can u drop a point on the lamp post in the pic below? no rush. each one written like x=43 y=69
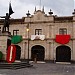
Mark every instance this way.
x=28 y=42
x=28 y=35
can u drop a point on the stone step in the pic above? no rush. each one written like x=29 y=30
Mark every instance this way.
x=63 y=62
x=14 y=65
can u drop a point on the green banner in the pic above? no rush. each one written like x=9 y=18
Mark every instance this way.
x=16 y=39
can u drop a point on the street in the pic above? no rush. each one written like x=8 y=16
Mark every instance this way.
x=42 y=69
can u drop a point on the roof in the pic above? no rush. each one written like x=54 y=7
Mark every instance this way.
x=66 y=18
x=13 y=21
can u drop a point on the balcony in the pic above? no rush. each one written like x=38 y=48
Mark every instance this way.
x=37 y=37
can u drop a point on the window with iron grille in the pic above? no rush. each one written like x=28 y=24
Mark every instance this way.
x=63 y=31
x=38 y=31
x=15 y=32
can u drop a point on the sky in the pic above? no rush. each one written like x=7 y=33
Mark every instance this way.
x=21 y=7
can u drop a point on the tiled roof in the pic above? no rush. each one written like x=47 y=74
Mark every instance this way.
x=63 y=18
x=13 y=21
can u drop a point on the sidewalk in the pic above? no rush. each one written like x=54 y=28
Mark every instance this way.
x=42 y=69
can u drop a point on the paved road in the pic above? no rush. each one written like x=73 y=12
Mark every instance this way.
x=42 y=69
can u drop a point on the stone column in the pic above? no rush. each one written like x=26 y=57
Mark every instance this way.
x=3 y=44
x=54 y=52
x=24 y=50
x=52 y=31
x=49 y=50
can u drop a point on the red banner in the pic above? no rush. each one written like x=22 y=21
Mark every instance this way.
x=62 y=39
x=11 y=54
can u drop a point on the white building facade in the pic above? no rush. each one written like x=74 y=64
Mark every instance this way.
x=50 y=37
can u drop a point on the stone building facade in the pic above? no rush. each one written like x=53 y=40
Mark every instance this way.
x=45 y=34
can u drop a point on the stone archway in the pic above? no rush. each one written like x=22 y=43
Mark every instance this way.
x=63 y=54
x=38 y=52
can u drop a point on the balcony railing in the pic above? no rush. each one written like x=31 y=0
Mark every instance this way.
x=37 y=37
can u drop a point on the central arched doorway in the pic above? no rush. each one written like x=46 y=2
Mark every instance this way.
x=63 y=54
x=37 y=52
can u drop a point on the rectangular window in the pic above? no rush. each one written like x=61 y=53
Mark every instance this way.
x=38 y=31
x=15 y=32
x=63 y=31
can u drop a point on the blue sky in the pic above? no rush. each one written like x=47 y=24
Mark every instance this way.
x=20 y=7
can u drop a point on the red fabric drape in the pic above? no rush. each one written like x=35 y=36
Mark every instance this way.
x=62 y=39
x=13 y=54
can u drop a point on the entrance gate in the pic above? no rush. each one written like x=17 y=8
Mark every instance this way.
x=63 y=54
x=38 y=53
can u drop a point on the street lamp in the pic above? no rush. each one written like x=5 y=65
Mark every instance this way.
x=28 y=35
x=28 y=42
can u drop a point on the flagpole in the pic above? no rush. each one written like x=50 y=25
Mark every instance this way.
x=40 y=4
x=10 y=1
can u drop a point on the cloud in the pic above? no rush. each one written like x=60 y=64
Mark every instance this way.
x=20 y=7
x=62 y=7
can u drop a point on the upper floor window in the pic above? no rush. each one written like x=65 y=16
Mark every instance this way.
x=63 y=31
x=15 y=32
x=38 y=31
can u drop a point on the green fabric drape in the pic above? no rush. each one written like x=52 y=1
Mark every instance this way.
x=16 y=39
